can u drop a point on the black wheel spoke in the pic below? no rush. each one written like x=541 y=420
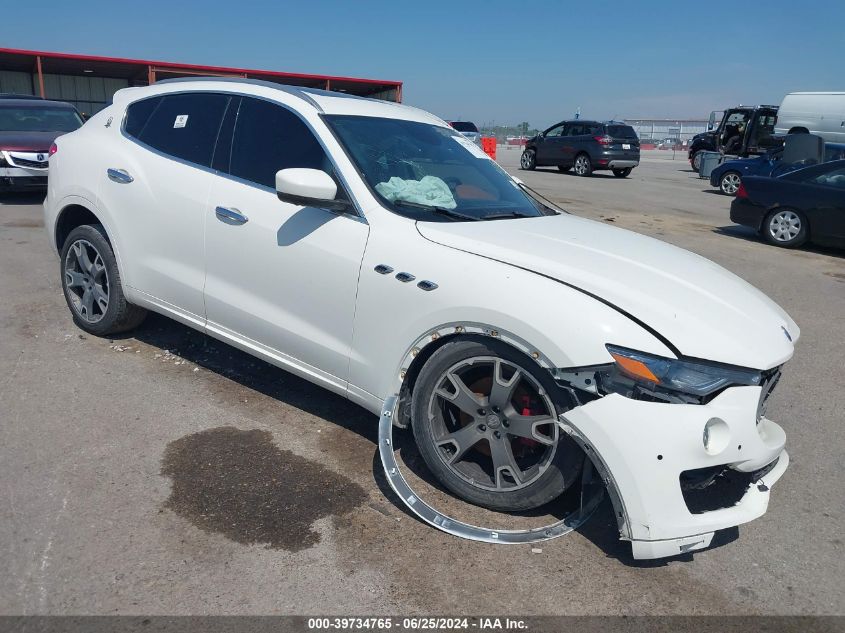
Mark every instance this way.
x=526 y=426
x=503 y=460
x=463 y=398
x=502 y=390
x=463 y=439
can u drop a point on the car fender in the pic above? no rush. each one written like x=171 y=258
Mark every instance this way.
x=53 y=211
x=553 y=323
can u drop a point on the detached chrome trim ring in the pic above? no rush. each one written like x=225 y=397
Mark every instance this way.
x=466 y=530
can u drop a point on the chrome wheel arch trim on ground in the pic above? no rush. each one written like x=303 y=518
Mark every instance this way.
x=592 y=492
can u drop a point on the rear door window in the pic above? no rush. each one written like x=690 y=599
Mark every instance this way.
x=185 y=126
x=268 y=138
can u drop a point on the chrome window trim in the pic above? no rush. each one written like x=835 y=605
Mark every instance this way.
x=359 y=213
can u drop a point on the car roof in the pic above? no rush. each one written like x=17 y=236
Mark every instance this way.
x=319 y=101
x=37 y=102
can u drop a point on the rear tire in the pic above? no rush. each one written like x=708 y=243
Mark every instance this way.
x=622 y=173
x=92 y=286
x=528 y=160
x=583 y=165
x=729 y=183
x=787 y=228
x=484 y=419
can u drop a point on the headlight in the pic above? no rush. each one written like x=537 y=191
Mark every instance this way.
x=636 y=374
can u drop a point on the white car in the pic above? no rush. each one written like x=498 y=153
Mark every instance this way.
x=371 y=249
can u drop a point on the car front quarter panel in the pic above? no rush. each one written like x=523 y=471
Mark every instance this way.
x=558 y=326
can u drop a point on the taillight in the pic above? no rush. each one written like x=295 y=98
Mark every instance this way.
x=603 y=140
x=741 y=192
x=53 y=149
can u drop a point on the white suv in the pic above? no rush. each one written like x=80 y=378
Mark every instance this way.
x=375 y=251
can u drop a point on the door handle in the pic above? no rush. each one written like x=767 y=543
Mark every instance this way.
x=230 y=215
x=119 y=175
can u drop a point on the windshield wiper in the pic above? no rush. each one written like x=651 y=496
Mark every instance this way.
x=435 y=209
x=544 y=202
x=509 y=214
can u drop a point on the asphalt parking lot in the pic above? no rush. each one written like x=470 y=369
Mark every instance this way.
x=166 y=473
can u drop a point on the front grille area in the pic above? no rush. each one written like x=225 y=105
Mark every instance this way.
x=34 y=164
x=30 y=160
x=708 y=489
x=724 y=489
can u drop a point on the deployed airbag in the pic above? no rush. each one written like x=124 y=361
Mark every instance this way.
x=431 y=191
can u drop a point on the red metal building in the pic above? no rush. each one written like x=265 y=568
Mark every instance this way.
x=89 y=81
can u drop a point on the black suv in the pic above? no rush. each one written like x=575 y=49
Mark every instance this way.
x=585 y=145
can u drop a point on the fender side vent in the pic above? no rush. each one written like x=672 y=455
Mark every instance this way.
x=405 y=277
x=427 y=285
x=383 y=269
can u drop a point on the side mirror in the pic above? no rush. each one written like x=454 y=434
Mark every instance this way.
x=309 y=188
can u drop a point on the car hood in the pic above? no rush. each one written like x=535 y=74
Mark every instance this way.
x=28 y=141
x=703 y=310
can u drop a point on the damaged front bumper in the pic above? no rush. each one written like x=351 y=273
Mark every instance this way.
x=664 y=464
x=675 y=473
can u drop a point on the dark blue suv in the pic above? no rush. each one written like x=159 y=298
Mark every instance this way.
x=586 y=146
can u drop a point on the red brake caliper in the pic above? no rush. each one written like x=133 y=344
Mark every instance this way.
x=526 y=410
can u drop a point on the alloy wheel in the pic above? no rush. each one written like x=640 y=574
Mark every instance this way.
x=730 y=183
x=581 y=165
x=493 y=424
x=526 y=161
x=784 y=226
x=87 y=281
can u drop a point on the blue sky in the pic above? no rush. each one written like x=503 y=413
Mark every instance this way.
x=491 y=62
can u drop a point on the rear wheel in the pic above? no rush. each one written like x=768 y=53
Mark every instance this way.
x=785 y=227
x=528 y=160
x=729 y=183
x=92 y=286
x=485 y=422
x=583 y=165
x=622 y=173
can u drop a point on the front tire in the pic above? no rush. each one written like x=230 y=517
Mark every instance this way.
x=786 y=228
x=696 y=161
x=528 y=160
x=92 y=286
x=622 y=173
x=729 y=183
x=583 y=165
x=485 y=421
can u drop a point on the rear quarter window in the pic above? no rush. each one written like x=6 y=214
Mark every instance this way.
x=185 y=126
x=137 y=115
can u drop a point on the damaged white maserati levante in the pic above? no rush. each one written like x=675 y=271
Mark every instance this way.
x=371 y=249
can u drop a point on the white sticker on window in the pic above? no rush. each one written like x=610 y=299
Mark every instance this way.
x=181 y=121
x=474 y=149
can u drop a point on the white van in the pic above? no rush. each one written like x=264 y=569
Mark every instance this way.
x=821 y=113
